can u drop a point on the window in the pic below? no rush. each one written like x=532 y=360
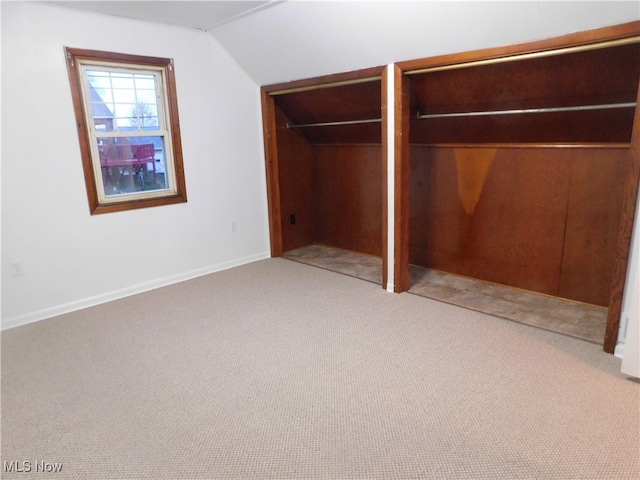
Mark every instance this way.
x=127 y=117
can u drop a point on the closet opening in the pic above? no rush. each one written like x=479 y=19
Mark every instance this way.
x=522 y=177
x=326 y=180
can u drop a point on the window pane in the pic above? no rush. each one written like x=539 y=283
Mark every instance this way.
x=123 y=101
x=104 y=95
x=99 y=79
x=143 y=115
x=122 y=120
x=132 y=164
x=121 y=95
x=122 y=81
x=146 y=96
x=102 y=114
x=145 y=82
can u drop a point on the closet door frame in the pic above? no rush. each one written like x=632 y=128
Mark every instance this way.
x=629 y=203
x=272 y=172
x=268 y=94
x=547 y=46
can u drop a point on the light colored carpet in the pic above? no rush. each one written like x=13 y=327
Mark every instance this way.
x=279 y=370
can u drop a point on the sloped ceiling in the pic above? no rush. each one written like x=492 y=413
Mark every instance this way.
x=201 y=15
x=279 y=41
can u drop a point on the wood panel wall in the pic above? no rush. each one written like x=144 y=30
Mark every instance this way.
x=334 y=192
x=591 y=77
x=348 y=197
x=541 y=219
x=295 y=167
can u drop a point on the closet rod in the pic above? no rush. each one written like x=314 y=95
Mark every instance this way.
x=330 y=124
x=528 y=110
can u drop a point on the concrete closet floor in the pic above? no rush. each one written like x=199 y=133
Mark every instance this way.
x=568 y=317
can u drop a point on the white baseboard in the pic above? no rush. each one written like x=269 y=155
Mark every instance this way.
x=126 y=292
x=619 y=350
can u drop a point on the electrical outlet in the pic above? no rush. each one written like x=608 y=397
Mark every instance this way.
x=234 y=226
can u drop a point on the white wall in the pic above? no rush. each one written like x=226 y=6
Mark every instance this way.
x=301 y=39
x=71 y=259
x=629 y=337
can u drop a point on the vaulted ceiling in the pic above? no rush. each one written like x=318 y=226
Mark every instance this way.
x=278 y=41
x=201 y=15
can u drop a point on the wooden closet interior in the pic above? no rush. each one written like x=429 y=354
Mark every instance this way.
x=323 y=139
x=514 y=165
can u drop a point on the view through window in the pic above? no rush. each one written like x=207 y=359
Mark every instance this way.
x=128 y=135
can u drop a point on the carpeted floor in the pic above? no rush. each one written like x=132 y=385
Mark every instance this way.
x=279 y=370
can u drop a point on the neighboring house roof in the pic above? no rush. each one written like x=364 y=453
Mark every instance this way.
x=100 y=109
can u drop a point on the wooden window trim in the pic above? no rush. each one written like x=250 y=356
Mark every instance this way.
x=75 y=79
